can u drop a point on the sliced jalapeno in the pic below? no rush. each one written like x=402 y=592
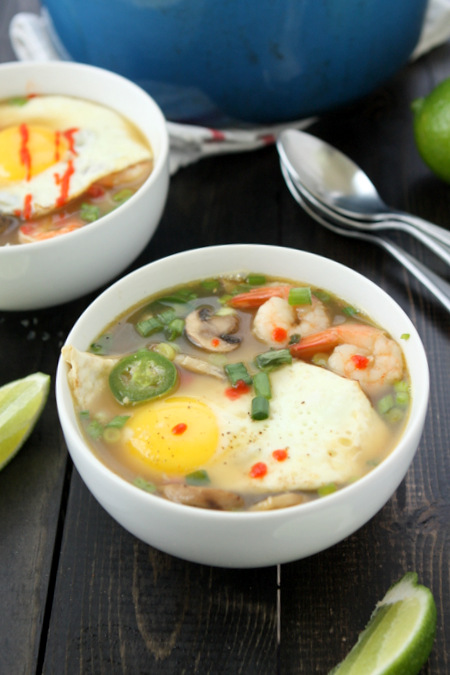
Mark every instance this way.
x=142 y=376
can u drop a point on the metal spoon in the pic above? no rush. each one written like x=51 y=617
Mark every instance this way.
x=437 y=286
x=334 y=179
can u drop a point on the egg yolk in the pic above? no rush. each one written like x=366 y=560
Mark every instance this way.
x=176 y=436
x=27 y=150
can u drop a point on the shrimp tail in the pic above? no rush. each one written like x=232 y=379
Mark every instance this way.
x=258 y=296
x=324 y=341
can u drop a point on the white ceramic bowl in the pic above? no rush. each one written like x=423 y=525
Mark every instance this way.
x=246 y=539
x=51 y=272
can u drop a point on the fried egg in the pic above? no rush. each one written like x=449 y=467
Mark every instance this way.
x=322 y=429
x=52 y=148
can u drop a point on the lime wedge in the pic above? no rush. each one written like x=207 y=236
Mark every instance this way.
x=21 y=403
x=399 y=636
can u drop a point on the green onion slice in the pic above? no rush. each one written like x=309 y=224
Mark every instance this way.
x=174 y=329
x=261 y=384
x=236 y=372
x=256 y=279
x=149 y=326
x=89 y=212
x=326 y=490
x=182 y=296
x=95 y=429
x=300 y=296
x=199 y=477
x=118 y=421
x=101 y=345
x=385 y=404
x=260 y=408
x=18 y=100
x=122 y=196
x=144 y=484
x=212 y=285
x=274 y=358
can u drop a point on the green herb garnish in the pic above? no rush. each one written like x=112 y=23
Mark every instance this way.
x=89 y=212
x=101 y=345
x=144 y=484
x=261 y=384
x=123 y=195
x=237 y=372
x=199 y=477
x=326 y=490
x=118 y=421
x=18 y=100
x=274 y=358
x=256 y=279
x=260 y=408
x=300 y=296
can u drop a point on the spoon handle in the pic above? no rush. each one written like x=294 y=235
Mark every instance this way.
x=436 y=231
x=440 y=248
x=435 y=284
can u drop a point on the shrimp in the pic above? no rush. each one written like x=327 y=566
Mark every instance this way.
x=359 y=352
x=258 y=296
x=276 y=321
x=45 y=228
x=132 y=174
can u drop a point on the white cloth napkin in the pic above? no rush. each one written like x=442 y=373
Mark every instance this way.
x=33 y=39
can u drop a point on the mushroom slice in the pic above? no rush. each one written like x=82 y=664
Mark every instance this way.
x=203 y=497
x=279 y=502
x=195 y=365
x=213 y=332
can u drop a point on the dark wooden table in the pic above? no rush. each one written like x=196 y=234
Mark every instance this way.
x=81 y=595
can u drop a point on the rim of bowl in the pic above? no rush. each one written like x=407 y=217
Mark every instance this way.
x=160 y=160
x=415 y=422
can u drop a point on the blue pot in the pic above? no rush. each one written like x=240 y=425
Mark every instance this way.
x=253 y=60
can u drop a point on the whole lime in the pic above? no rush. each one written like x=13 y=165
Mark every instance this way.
x=432 y=129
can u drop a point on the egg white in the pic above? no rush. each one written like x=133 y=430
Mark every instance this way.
x=104 y=143
x=325 y=422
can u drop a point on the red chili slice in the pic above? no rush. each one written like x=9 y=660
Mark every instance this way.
x=280 y=455
x=95 y=191
x=238 y=390
x=279 y=334
x=69 y=136
x=27 y=206
x=258 y=470
x=361 y=362
x=179 y=429
x=64 y=182
x=25 y=156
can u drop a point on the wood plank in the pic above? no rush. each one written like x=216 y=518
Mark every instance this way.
x=31 y=490
x=123 y=607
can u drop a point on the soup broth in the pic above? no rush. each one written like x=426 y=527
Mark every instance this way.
x=241 y=393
